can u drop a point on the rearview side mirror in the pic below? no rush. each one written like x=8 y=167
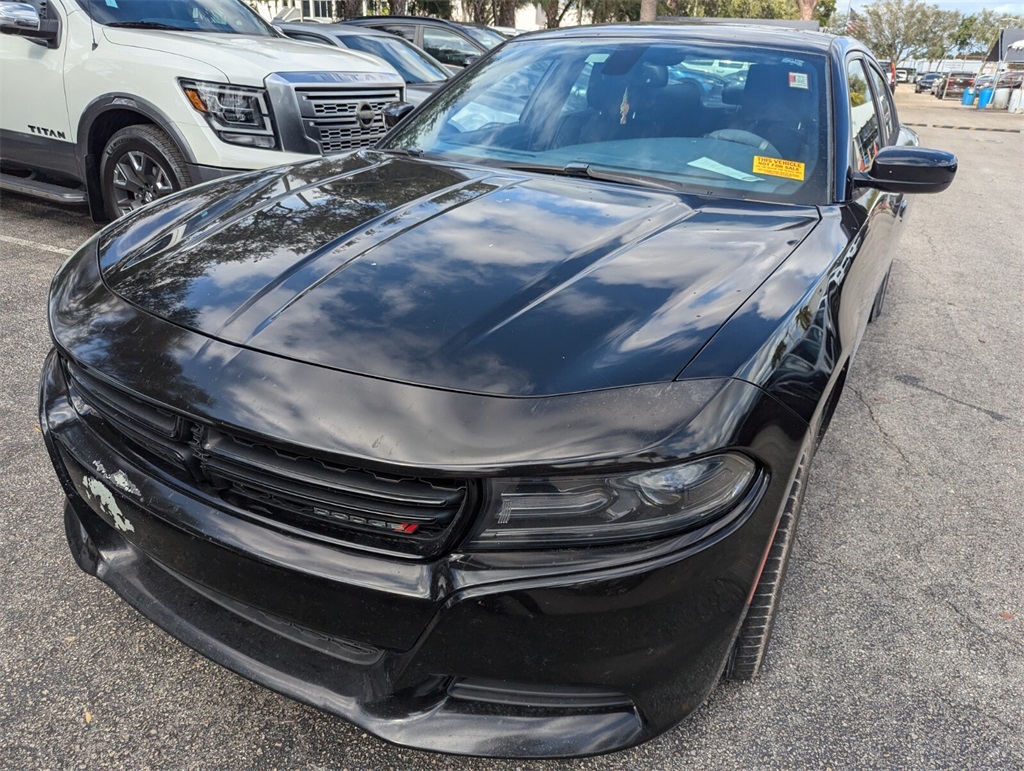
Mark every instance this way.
x=22 y=19
x=909 y=170
x=394 y=112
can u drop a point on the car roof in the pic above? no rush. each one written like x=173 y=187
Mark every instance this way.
x=748 y=34
x=413 y=19
x=333 y=29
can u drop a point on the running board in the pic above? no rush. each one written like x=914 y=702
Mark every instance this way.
x=45 y=190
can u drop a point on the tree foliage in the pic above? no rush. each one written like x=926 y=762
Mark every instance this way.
x=979 y=32
x=895 y=29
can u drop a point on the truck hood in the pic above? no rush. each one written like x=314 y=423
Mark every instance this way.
x=451 y=276
x=248 y=59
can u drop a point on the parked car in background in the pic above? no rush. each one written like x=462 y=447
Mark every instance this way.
x=422 y=73
x=953 y=85
x=1009 y=79
x=452 y=44
x=906 y=74
x=119 y=103
x=926 y=81
x=492 y=439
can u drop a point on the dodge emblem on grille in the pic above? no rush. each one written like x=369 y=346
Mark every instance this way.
x=365 y=115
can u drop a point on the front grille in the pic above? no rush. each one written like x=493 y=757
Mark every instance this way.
x=338 y=119
x=313 y=496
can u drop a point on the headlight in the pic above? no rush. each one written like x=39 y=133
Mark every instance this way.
x=579 y=511
x=239 y=115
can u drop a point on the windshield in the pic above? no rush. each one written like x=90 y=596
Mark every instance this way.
x=754 y=129
x=485 y=37
x=227 y=16
x=413 y=65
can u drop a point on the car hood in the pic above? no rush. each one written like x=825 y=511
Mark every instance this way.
x=450 y=276
x=248 y=59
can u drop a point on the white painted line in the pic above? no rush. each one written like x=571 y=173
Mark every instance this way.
x=35 y=245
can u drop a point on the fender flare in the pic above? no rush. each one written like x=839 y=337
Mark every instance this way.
x=88 y=164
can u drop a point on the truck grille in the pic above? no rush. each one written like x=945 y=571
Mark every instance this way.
x=312 y=496
x=341 y=119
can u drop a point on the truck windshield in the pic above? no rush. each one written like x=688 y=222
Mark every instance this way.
x=226 y=16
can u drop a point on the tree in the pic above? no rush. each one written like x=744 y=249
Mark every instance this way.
x=940 y=38
x=648 y=10
x=894 y=29
x=980 y=31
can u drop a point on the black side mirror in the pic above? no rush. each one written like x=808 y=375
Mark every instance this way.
x=394 y=112
x=22 y=19
x=909 y=170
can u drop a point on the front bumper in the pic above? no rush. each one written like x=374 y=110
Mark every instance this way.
x=456 y=655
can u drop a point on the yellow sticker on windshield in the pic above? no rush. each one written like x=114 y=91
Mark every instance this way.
x=777 y=167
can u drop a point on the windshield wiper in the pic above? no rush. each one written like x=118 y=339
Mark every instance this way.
x=586 y=171
x=147 y=25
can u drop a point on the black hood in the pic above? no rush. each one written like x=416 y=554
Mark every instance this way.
x=457 y=277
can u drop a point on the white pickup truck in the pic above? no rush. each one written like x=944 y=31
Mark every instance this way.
x=118 y=102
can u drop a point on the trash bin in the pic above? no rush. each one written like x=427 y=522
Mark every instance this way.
x=1001 y=98
x=984 y=97
x=968 y=97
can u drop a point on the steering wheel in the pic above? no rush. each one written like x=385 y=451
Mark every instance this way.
x=749 y=138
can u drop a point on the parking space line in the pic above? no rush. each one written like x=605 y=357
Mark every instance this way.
x=34 y=245
x=965 y=128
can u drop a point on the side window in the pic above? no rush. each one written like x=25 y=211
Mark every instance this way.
x=402 y=30
x=448 y=48
x=577 y=100
x=494 y=109
x=864 y=126
x=884 y=98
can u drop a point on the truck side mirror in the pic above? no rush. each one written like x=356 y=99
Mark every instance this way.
x=22 y=19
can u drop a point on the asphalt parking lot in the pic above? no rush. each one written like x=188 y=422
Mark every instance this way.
x=901 y=636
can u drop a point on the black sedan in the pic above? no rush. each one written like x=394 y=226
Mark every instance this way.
x=493 y=439
x=926 y=81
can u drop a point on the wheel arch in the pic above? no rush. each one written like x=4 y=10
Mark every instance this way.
x=100 y=120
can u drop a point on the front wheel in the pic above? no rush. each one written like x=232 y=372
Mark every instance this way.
x=752 y=642
x=140 y=164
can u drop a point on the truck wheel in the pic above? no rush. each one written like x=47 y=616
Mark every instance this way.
x=140 y=164
x=752 y=642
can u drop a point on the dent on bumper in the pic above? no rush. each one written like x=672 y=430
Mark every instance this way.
x=534 y=665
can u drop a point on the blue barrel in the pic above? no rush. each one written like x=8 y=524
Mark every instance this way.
x=968 y=98
x=984 y=97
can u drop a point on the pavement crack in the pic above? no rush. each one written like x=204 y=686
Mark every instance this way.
x=910 y=380
x=968 y=623
x=882 y=432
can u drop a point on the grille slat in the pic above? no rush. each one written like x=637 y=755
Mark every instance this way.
x=315 y=496
x=330 y=115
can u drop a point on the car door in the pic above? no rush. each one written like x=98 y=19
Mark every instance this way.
x=36 y=129
x=871 y=212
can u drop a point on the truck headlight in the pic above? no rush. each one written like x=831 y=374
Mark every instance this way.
x=239 y=115
x=558 y=512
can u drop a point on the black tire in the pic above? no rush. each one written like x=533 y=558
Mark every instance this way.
x=140 y=164
x=751 y=644
x=876 y=307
